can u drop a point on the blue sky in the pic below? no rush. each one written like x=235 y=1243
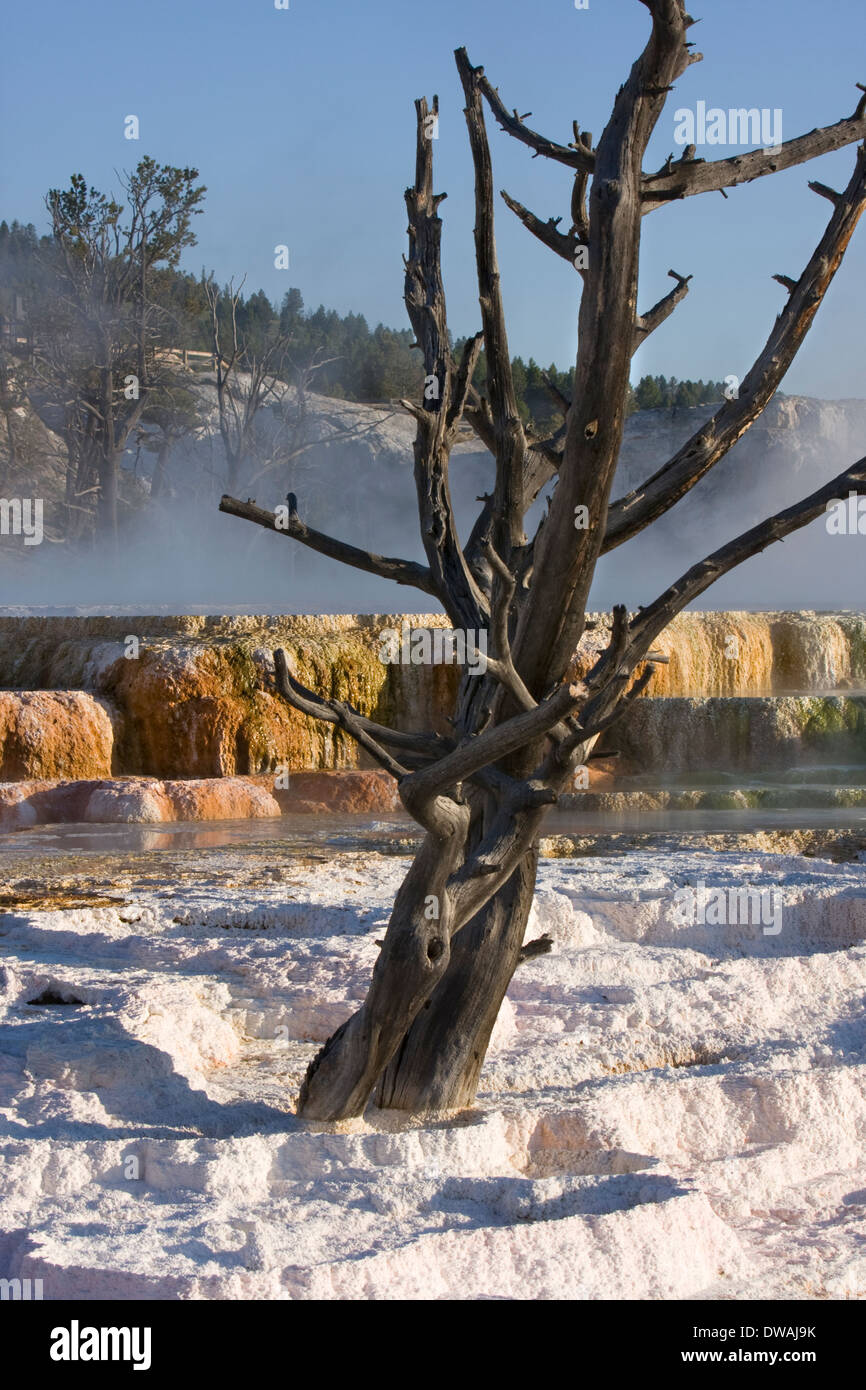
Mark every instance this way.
x=301 y=123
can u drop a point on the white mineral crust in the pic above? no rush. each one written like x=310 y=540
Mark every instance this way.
x=667 y=1111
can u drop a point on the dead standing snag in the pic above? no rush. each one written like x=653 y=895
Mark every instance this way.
x=521 y=728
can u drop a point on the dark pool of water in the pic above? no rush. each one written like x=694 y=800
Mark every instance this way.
x=388 y=835
x=399 y=834
x=706 y=822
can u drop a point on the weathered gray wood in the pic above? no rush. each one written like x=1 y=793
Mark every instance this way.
x=510 y=440
x=441 y=1056
x=551 y=622
x=413 y=958
x=445 y=390
x=688 y=177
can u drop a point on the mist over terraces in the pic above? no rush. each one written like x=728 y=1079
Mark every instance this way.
x=352 y=476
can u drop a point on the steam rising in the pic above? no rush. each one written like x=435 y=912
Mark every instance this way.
x=179 y=554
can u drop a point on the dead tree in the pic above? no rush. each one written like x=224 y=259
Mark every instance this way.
x=240 y=401
x=519 y=730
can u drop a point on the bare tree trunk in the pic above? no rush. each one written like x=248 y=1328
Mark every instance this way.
x=233 y=468
x=7 y=400
x=12 y=463
x=414 y=957
x=106 y=506
x=440 y=1060
x=158 y=480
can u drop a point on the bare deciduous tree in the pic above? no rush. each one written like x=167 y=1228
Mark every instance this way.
x=520 y=730
x=97 y=323
x=272 y=378
x=239 y=402
x=12 y=396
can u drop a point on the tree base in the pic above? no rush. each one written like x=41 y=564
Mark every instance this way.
x=439 y=1061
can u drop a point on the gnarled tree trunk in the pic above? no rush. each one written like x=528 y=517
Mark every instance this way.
x=439 y=1060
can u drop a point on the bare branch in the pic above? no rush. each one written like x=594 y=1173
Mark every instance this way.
x=463 y=380
x=632 y=512
x=401 y=571
x=611 y=657
x=427 y=745
x=647 y=323
x=576 y=157
x=510 y=439
x=565 y=244
x=579 y=213
x=490 y=746
x=594 y=722
x=499 y=662
x=825 y=192
x=332 y=712
x=445 y=391
x=652 y=620
x=561 y=400
x=551 y=620
x=688 y=177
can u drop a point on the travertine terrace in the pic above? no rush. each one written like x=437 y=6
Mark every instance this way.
x=667 y=1111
